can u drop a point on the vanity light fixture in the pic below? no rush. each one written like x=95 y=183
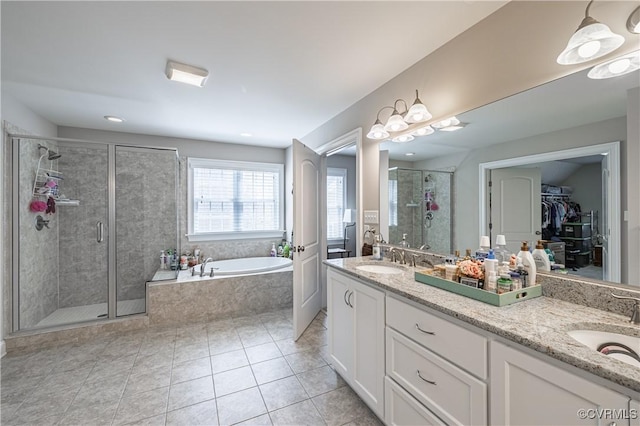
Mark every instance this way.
x=399 y=121
x=113 y=119
x=187 y=74
x=407 y=137
x=591 y=40
x=616 y=67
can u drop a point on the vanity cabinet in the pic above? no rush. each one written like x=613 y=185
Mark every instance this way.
x=528 y=390
x=436 y=362
x=356 y=336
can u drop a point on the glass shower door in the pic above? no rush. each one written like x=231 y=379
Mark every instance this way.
x=146 y=220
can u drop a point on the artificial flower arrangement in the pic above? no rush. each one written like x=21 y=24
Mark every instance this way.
x=471 y=272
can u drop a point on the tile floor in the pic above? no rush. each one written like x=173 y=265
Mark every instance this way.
x=238 y=371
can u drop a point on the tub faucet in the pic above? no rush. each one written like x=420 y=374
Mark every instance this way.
x=204 y=264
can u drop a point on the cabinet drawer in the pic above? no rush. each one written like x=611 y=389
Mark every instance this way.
x=403 y=409
x=454 y=395
x=458 y=345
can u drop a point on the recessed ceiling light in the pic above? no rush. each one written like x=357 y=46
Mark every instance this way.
x=187 y=74
x=409 y=154
x=246 y=135
x=113 y=119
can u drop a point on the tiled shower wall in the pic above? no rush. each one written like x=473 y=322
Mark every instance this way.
x=83 y=260
x=145 y=215
x=38 y=268
x=412 y=210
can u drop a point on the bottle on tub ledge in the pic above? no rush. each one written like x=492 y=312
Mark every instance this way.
x=273 y=252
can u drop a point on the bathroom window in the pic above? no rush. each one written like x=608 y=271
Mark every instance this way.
x=233 y=199
x=336 y=202
x=393 y=203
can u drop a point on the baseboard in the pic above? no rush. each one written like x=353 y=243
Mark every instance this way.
x=3 y=348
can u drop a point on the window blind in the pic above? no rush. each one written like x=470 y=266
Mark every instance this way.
x=235 y=200
x=336 y=198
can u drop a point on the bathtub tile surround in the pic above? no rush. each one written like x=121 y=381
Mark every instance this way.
x=205 y=299
x=110 y=380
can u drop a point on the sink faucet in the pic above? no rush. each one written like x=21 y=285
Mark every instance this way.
x=204 y=264
x=398 y=255
x=635 y=311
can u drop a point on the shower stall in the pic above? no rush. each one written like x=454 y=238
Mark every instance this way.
x=420 y=206
x=90 y=220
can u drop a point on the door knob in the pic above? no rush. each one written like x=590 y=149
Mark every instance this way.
x=300 y=248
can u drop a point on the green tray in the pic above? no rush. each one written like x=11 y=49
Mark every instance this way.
x=478 y=294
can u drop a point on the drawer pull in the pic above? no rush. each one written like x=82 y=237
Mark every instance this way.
x=428 y=381
x=349 y=299
x=424 y=331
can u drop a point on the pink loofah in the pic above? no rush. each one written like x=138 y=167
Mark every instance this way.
x=37 y=206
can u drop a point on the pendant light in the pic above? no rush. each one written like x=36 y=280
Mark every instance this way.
x=616 y=67
x=633 y=23
x=591 y=40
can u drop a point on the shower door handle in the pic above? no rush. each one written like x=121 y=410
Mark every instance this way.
x=99 y=232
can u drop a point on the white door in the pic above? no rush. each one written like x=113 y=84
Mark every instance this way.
x=515 y=210
x=307 y=288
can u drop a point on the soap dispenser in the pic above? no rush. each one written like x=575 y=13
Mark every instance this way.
x=404 y=243
x=377 y=249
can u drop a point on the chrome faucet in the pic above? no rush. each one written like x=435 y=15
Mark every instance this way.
x=635 y=311
x=204 y=264
x=398 y=255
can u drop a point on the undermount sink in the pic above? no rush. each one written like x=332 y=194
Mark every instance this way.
x=619 y=346
x=380 y=269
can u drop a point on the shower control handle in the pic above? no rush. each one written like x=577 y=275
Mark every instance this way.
x=99 y=232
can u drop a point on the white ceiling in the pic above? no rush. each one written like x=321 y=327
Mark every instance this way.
x=278 y=70
x=568 y=102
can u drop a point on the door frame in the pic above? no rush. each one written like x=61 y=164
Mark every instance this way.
x=610 y=149
x=354 y=137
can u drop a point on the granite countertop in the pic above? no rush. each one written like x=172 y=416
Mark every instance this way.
x=540 y=324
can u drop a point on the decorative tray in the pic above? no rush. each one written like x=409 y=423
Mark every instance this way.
x=491 y=298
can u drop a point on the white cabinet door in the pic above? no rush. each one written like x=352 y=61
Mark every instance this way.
x=402 y=409
x=368 y=373
x=526 y=390
x=356 y=336
x=340 y=323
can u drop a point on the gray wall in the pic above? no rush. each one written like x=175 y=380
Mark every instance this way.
x=587 y=188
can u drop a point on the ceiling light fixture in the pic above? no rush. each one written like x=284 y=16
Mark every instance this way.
x=113 y=119
x=187 y=74
x=633 y=23
x=399 y=121
x=616 y=67
x=591 y=40
x=409 y=154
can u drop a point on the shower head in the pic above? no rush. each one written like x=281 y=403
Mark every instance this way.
x=52 y=155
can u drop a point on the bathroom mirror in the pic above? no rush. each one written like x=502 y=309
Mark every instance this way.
x=548 y=118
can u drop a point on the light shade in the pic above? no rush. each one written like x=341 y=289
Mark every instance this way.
x=403 y=138
x=377 y=131
x=187 y=74
x=418 y=112
x=395 y=123
x=616 y=67
x=423 y=131
x=451 y=121
x=592 y=40
x=349 y=216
